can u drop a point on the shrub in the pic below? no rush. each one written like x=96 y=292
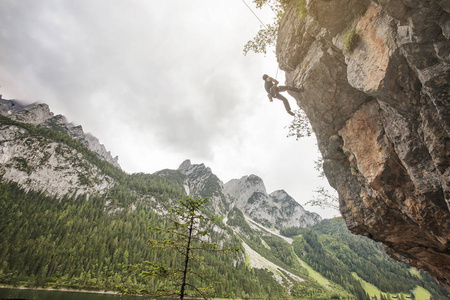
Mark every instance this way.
x=350 y=40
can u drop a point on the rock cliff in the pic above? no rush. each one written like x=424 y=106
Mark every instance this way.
x=375 y=85
x=37 y=162
x=276 y=210
x=201 y=182
x=39 y=114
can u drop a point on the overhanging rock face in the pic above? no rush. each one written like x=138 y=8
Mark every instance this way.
x=375 y=78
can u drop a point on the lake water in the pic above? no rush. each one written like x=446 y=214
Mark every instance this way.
x=7 y=293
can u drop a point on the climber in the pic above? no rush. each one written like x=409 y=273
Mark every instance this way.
x=273 y=90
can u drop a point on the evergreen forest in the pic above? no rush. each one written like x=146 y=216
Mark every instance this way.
x=82 y=243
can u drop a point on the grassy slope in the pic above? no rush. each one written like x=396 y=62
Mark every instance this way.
x=315 y=275
x=419 y=292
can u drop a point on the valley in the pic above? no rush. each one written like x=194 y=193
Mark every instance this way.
x=71 y=219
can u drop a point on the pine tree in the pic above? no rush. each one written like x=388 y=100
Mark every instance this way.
x=187 y=235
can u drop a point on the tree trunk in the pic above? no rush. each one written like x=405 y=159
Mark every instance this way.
x=186 y=258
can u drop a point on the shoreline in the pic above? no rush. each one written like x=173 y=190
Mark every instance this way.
x=58 y=290
x=79 y=291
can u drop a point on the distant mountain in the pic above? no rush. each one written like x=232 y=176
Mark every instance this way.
x=201 y=182
x=70 y=217
x=42 y=152
x=39 y=114
x=278 y=209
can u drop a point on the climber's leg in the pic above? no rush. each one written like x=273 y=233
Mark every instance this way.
x=286 y=104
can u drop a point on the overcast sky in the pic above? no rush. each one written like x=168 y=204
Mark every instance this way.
x=159 y=82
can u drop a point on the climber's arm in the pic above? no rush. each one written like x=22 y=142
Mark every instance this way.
x=275 y=82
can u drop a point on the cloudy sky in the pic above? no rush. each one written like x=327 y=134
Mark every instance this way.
x=159 y=82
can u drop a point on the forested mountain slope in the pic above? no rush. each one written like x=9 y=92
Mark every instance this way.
x=332 y=250
x=68 y=218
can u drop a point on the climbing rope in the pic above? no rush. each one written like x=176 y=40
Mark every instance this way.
x=262 y=25
x=255 y=15
x=307 y=62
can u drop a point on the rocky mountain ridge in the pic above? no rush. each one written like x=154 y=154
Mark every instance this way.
x=38 y=162
x=277 y=210
x=58 y=169
x=39 y=114
x=375 y=85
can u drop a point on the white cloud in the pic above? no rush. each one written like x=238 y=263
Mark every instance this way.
x=158 y=82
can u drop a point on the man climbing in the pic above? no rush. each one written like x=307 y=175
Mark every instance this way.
x=273 y=90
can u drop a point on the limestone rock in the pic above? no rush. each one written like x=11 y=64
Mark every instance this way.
x=277 y=210
x=37 y=163
x=376 y=89
x=39 y=114
x=201 y=182
x=33 y=114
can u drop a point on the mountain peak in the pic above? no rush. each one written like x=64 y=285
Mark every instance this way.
x=185 y=165
x=277 y=210
x=201 y=182
x=34 y=113
x=281 y=195
x=248 y=194
x=242 y=189
x=187 y=168
x=39 y=114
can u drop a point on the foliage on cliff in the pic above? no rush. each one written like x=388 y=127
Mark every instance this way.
x=267 y=35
